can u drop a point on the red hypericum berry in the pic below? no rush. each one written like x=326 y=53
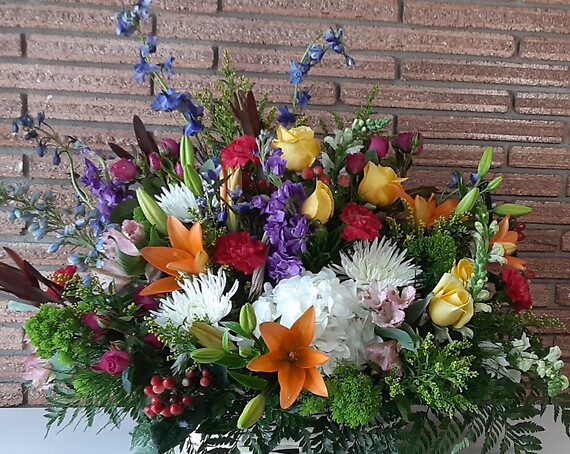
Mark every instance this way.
x=148 y=390
x=190 y=374
x=156 y=400
x=205 y=382
x=177 y=409
x=157 y=408
x=158 y=389
x=187 y=400
x=325 y=179
x=530 y=274
x=307 y=173
x=169 y=383
x=520 y=226
x=185 y=382
x=344 y=181
x=156 y=380
x=318 y=169
x=206 y=373
x=520 y=236
x=166 y=412
x=148 y=411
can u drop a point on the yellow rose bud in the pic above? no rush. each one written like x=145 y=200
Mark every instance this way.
x=377 y=186
x=320 y=204
x=463 y=270
x=451 y=304
x=299 y=147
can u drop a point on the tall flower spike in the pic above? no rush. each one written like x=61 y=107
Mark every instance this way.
x=292 y=358
x=186 y=255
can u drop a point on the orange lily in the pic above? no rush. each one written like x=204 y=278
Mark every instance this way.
x=186 y=255
x=292 y=358
x=508 y=239
x=427 y=211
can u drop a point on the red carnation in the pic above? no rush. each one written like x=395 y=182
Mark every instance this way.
x=517 y=289
x=360 y=223
x=240 y=152
x=240 y=251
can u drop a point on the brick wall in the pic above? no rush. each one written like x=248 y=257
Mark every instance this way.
x=468 y=73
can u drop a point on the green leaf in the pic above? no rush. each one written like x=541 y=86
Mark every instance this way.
x=155 y=239
x=123 y=210
x=248 y=381
x=232 y=362
x=415 y=311
x=236 y=328
x=130 y=264
x=405 y=336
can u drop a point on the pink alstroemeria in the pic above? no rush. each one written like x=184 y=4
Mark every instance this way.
x=387 y=304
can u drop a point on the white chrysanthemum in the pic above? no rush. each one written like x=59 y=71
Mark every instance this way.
x=200 y=298
x=178 y=201
x=343 y=324
x=379 y=261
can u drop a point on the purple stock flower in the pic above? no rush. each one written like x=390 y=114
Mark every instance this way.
x=274 y=163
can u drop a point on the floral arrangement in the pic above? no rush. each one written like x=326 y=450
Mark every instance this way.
x=250 y=282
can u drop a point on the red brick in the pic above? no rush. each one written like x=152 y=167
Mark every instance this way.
x=9 y=227
x=543 y=103
x=37 y=255
x=10 y=45
x=10 y=394
x=548 y=267
x=272 y=32
x=10 y=315
x=12 y=366
x=113 y=50
x=10 y=105
x=545 y=48
x=37 y=397
x=487 y=72
x=44 y=168
x=562 y=315
x=547 y=212
x=513 y=184
x=11 y=338
x=542 y=294
x=563 y=294
x=564 y=343
x=11 y=165
x=380 y=10
x=540 y=157
x=432 y=98
x=55 y=17
x=478 y=128
x=64 y=197
x=538 y=240
x=486 y=16
x=98 y=108
x=81 y=79
x=566 y=241
x=457 y=156
x=548 y=2
x=277 y=61
x=194 y=6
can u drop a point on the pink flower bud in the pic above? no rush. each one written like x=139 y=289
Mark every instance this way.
x=171 y=146
x=95 y=321
x=133 y=230
x=380 y=145
x=148 y=303
x=410 y=142
x=113 y=362
x=178 y=170
x=355 y=163
x=152 y=340
x=124 y=169
x=154 y=162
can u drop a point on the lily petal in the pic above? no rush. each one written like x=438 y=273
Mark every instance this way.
x=309 y=358
x=160 y=257
x=291 y=380
x=265 y=363
x=164 y=285
x=303 y=330
x=275 y=335
x=314 y=382
x=178 y=234
x=183 y=266
x=195 y=242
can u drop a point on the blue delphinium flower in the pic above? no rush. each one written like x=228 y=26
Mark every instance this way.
x=167 y=66
x=193 y=127
x=15 y=128
x=316 y=53
x=127 y=21
x=143 y=69
x=56 y=159
x=296 y=73
x=286 y=117
x=334 y=40
x=141 y=8
x=149 y=46
x=41 y=118
x=303 y=98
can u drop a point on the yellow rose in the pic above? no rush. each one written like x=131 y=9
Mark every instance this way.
x=320 y=204
x=377 y=185
x=299 y=147
x=451 y=304
x=463 y=270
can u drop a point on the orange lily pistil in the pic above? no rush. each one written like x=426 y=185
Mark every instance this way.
x=186 y=255
x=427 y=211
x=508 y=239
x=292 y=358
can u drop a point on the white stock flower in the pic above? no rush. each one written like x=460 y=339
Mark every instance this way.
x=343 y=324
x=201 y=298
x=178 y=201
x=379 y=260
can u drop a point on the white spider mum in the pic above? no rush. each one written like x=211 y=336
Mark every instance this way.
x=201 y=298
x=379 y=261
x=178 y=201
x=343 y=325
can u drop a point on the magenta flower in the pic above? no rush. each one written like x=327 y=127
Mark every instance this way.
x=95 y=321
x=410 y=142
x=355 y=163
x=124 y=169
x=113 y=362
x=380 y=145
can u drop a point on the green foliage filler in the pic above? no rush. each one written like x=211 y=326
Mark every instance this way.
x=436 y=375
x=139 y=216
x=353 y=399
x=58 y=330
x=434 y=254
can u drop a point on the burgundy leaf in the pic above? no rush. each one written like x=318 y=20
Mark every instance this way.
x=144 y=138
x=120 y=151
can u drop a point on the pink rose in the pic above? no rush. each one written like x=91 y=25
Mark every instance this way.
x=113 y=362
x=410 y=142
x=124 y=169
x=171 y=146
x=153 y=341
x=95 y=321
x=385 y=354
x=154 y=162
x=148 y=303
x=355 y=163
x=380 y=145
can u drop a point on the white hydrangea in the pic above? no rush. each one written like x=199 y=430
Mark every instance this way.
x=200 y=298
x=343 y=324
